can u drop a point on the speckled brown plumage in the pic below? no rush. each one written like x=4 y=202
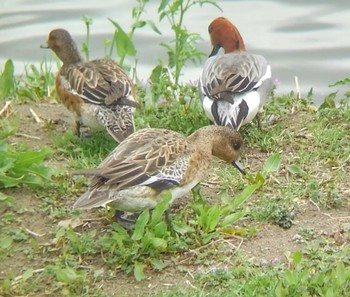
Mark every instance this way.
x=98 y=92
x=150 y=161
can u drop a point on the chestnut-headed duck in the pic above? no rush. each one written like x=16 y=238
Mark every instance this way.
x=235 y=85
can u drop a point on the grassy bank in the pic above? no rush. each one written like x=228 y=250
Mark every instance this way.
x=281 y=230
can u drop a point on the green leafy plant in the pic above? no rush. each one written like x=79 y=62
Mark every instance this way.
x=184 y=44
x=196 y=224
x=122 y=41
x=7 y=81
x=185 y=115
x=86 y=44
x=36 y=84
x=149 y=239
x=23 y=168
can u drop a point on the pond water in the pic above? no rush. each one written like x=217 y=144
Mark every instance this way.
x=307 y=39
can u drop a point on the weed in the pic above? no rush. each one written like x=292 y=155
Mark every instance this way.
x=123 y=40
x=37 y=84
x=23 y=168
x=7 y=81
x=184 y=116
x=86 y=44
x=184 y=48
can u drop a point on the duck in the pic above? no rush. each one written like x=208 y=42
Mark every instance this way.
x=234 y=85
x=98 y=92
x=151 y=161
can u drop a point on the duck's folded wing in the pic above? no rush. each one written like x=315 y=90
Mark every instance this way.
x=235 y=72
x=153 y=160
x=97 y=82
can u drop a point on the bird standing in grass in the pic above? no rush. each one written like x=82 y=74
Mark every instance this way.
x=235 y=85
x=151 y=161
x=98 y=92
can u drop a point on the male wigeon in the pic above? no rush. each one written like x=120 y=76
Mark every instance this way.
x=235 y=85
x=98 y=92
x=151 y=161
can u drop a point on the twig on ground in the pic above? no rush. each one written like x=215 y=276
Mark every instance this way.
x=5 y=108
x=30 y=232
x=27 y=136
x=19 y=278
x=35 y=116
x=315 y=204
x=336 y=218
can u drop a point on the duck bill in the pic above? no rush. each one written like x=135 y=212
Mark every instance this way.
x=239 y=166
x=214 y=51
x=44 y=46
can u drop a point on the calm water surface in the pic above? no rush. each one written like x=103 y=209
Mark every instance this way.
x=308 y=39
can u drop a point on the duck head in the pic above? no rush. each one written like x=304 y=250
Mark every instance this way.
x=223 y=34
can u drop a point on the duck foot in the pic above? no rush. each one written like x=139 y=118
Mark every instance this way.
x=126 y=219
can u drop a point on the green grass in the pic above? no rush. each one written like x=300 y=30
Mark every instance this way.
x=292 y=171
x=303 y=276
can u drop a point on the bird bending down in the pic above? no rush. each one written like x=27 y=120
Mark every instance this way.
x=151 y=161
x=98 y=92
x=235 y=85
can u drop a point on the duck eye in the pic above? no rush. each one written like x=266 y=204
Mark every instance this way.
x=236 y=146
x=210 y=29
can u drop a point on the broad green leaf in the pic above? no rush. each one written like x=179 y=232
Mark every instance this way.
x=6 y=163
x=9 y=182
x=259 y=178
x=139 y=24
x=160 y=229
x=181 y=227
x=174 y=6
x=120 y=230
x=207 y=237
x=272 y=164
x=295 y=169
x=344 y=81
x=341 y=274
x=31 y=157
x=297 y=256
x=156 y=74
x=38 y=171
x=140 y=225
x=158 y=264
x=7 y=80
x=66 y=275
x=60 y=233
x=238 y=200
x=234 y=217
x=153 y=27
x=7 y=199
x=123 y=42
x=138 y=271
x=5 y=242
x=157 y=243
x=162 y=206
x=329 y=101
x=213 y=218
x=162 y=5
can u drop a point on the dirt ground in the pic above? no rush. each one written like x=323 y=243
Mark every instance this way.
x=271 y=242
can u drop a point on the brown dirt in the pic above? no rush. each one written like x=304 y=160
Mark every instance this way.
x=269 y=244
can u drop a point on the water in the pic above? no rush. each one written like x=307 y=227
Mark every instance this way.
x=307 y=39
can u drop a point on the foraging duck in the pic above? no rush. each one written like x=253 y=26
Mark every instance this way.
x=98 y=92
x=151 y=161
x=235 y=85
